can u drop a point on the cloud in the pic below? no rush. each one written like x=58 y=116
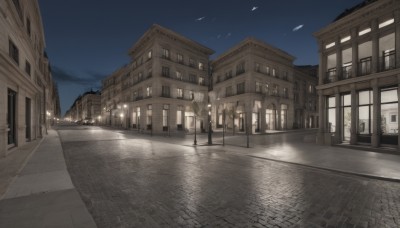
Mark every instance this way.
x=64 y=76
x=228 y=35
x=297 y=28
x=254 y=8
x=200 y=18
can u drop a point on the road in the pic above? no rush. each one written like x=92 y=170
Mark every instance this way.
x=132 y=180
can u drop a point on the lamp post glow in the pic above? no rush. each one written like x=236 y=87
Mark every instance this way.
x=209 y=125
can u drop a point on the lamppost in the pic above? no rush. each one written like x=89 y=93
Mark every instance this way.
x=223 y=127
x=195 y=133
x=127 y=117
x=209 y=125
x=122 y=117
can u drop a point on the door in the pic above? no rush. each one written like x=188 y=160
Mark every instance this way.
x=11 y=114
x=28 y=119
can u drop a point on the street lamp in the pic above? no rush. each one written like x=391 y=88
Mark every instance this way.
x=209 y=125
x=126 y=113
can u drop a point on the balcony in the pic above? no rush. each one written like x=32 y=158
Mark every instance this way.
x=240 y=71
x=388 y=61
x=365 y=66
x=330 y=75
x=346 y=72
x=166 y=95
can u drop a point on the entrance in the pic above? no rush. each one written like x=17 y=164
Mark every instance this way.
x=28 y=119
x=11 y=114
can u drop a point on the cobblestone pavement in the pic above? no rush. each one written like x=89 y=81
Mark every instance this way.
x=130 y=181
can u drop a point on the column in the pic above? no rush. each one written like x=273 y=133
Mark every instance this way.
x=322 y=66
x=354 y=51
x=262 y=119
x=278 y=108
x=354 y=114
x=398 y=112
x=338 y=60
x=339 y=124
x=397 y=36
x=375 y=139
x=322 y=121
x=375 y=46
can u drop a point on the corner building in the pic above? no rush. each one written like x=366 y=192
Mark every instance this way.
x=157 y=90
x=257 y=88
x=29 y=99
x=359 y=76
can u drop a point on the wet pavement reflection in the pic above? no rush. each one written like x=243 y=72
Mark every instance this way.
x=128 y=180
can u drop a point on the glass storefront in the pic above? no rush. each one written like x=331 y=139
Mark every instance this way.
x=389 y=116
x=331 y=114
x=365 y=112
x=346 y=117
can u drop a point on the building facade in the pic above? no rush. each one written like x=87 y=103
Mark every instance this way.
x=163 y=89
x=28 y=96
x=359 y=76
x=257 y=88
x=86 y=108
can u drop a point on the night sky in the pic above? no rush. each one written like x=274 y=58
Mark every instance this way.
x=87 y=40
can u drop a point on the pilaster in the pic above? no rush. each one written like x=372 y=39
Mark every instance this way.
x=354 y=52
x=375 y=46
x=354 y=114
x=338 y=60
x=375 y=139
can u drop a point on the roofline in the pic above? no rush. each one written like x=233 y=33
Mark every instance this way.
x=156 y=27
x=250 y=40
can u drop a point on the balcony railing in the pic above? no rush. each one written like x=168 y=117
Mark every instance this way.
x=365 y=66
x=330 y=75
x=388 y=61
x=346 y=72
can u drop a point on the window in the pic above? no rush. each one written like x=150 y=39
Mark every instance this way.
x=191 y=95
x=258 y=87
x=275 y=90
x=285 y=93
x=330 y=45
x=28 y=26
x=165 y=91
x=346 y=116
x=201 y=66
x=165 y=53
x=192 y=78
x=140 y=76
x=228 y=74
x=179 y=93
x=149 y=91
x=180 y=58
x=191 y=62
x=393 y=118
x=13 y=52
x=274 y=72
x=28 y=68
x=179 y=116
x=257 y=67
x=201 y=81
x=268 y=70
x=365 y=66
x=311 y=89
x=240 y=69
x=285 y=75
x=149 y=117
x=165 y=117
x=386 y=23
x=267 y=88
x=364 y=31
x=331 y=114
x=150 y=73
x=165 y=71
x=179 y=75
x=240 y=88
x=228 y=91
x=149 y=55
x=344 y=39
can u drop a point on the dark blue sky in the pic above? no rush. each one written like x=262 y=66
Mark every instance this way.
x=89 y=39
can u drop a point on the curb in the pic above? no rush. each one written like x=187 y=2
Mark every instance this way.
x=332 y=170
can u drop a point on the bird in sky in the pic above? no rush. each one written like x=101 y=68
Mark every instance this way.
x=200 y=18
x=297 y=28
x=254 y=8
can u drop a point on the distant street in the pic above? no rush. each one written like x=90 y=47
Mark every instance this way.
x=128 y=179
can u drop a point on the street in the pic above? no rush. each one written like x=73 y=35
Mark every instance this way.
x=132 y=180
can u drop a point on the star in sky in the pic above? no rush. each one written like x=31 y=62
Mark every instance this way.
x=200 y=18
x=297 y=28
x=254 y=8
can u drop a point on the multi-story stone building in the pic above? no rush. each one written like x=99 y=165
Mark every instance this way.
x=359 y=76
x=258 y=84
x=164 y=87
x=27 y=98
x=86 y=108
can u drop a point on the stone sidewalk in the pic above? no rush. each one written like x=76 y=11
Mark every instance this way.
x=42 y=194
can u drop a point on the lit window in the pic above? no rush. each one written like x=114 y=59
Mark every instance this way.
x=165 y=53
x=201 y=66
x=344 y=39
x=365 y=31
x=180 y=58
x=201 y=81
x=386 y=23
x=149 y=91
x=330 y=45
x=149 y=54
x=179 y=92
x=179 y=75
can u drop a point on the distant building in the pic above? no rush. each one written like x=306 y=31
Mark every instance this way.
x=170 y=87
x=359 y=76
x=86 y=108
x=156 y=92
x=29 y=99
x=257 y=85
